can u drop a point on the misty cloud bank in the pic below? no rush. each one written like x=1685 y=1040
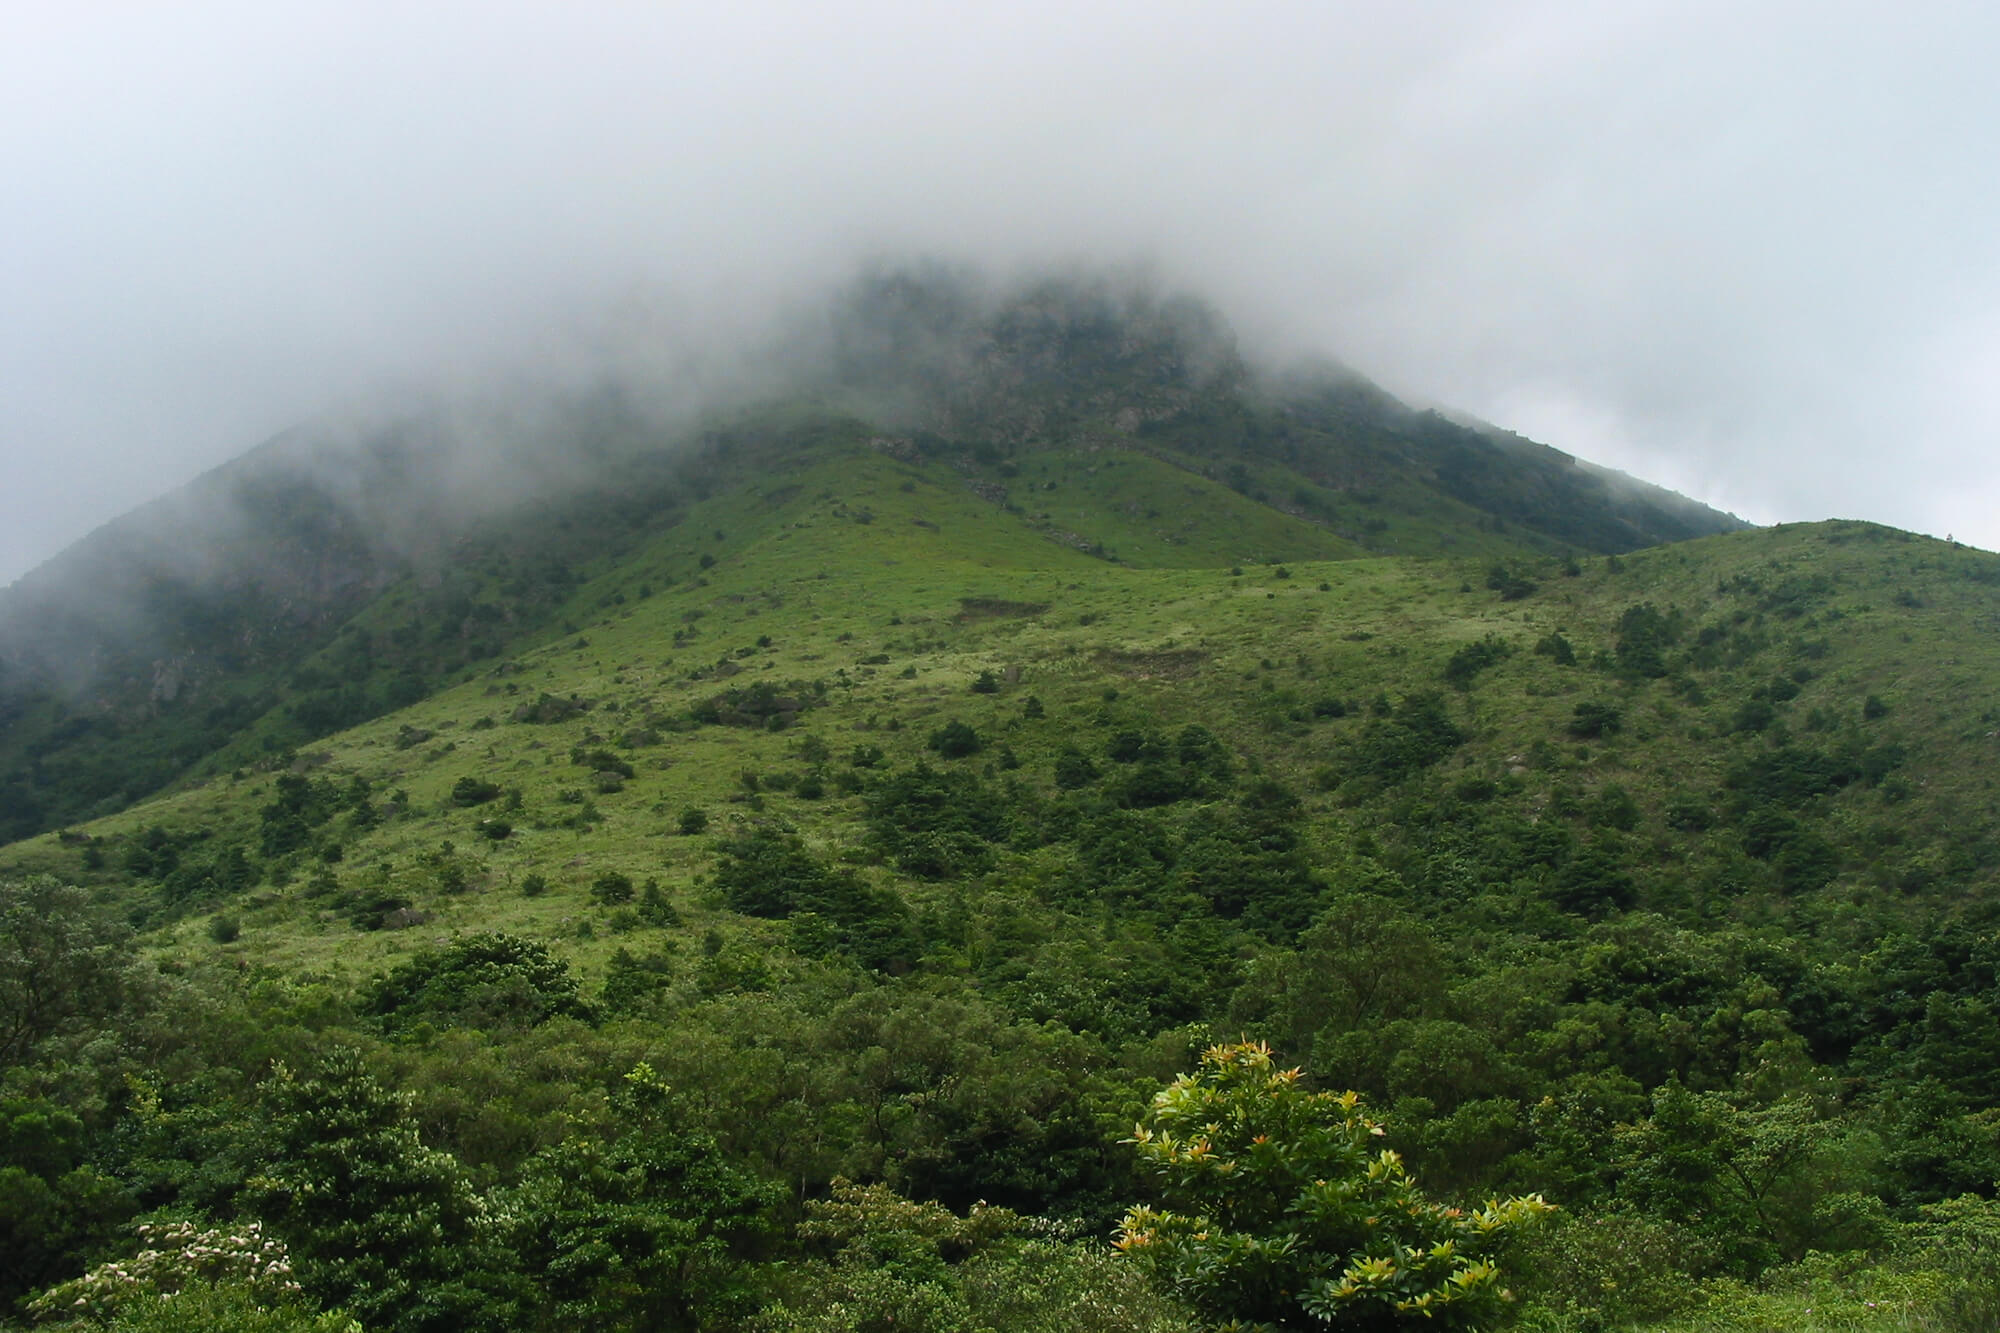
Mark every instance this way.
x=1748 y=254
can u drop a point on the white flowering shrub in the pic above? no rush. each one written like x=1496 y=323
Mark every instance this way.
x=175 y=1255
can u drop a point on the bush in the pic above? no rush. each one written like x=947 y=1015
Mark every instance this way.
x=1282 y=1209
x=176 y=1259
x=470 y=790
x=1557 y=648
x=1466 y=663
x=692 y=820
x=611 y=889
x=955 y=740
x=1592 y=720
x=479 y=980
x=1511 y=586
x=1074 y=769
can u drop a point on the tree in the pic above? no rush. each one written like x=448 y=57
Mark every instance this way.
x=375 y=1221
x=645 y=1232
x=955 y=740
x=481 y=980
x=1749 y=1179
x=61 y=967
x=1284 y=1213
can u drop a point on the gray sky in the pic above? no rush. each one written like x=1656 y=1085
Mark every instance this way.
x=1749 y=251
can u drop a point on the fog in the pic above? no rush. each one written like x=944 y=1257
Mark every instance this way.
x=1749 y=252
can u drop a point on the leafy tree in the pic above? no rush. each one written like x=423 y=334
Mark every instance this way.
x=223 y=1307
x=955 y=740
x=611 y=889
x=375 y=1221
x=919 y=1268
x=646 y=1231
x=1748 y=1179
x=937 y=823
x=63 y=967
x=1074 y=769
x=1467 y=662
x=471 y=790
x=177 y=1257
x=1644 y=636
x=772 y=874
x=480 y=980
x=54 y=1206
x=1362 y=963
x=1557 y=648
x=1592 y=720
x=1406 y=737
x=1283 y=1212
x=1512 y=587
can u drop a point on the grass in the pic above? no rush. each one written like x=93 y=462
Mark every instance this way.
x=879 y=579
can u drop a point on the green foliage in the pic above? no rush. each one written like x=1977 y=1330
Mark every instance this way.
x=767 y=873
x=1465 y=664
x=471 y=790
x=1556 y=648
x=1591 y=720
x=1413 y=734
x=375 y=1222
x=1645 y=634
x=63 y=966
x=612 y=889
x=900 y=1265
x=1511 y=586
x=1749 y=1181
x=1282 y=1207
x=936 y=823
x=644 y=1231
x=1193 y=766
x=173 y=1258
x=961 y=981
x=301 y=805
x=481 y=980
x=1073 y=769
x=54 y=1205
x=955 y=740
x=223 y=1307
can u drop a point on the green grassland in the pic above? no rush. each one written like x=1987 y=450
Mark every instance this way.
x=894 y=585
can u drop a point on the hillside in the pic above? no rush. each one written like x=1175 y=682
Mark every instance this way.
x=909 y=817
x=762 y=883
x=402 y=553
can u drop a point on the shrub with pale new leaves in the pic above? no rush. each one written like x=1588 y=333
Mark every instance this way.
x=1283 y=1210
x=174 y=1256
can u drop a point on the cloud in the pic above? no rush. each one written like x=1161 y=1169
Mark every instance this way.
x=1749 y=251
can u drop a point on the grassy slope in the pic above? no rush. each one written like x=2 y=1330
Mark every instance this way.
x=869 y=558
x=858 y=571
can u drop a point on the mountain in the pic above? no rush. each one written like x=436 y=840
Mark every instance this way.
x=337 y=573
x=759 y=877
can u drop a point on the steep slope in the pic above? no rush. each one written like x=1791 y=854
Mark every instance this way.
x=186 y=629
x=877 y=817
x=867 y=595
